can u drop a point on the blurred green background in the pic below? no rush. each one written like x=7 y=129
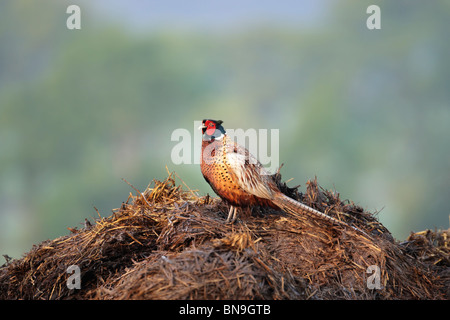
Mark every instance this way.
x=368 y=112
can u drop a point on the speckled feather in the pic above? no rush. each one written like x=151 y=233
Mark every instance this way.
x=235 y=175
x=240 y=179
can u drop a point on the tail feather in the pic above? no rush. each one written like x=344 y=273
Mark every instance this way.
x=296 y=208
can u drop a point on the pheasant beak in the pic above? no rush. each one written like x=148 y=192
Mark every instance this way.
x=202 y=127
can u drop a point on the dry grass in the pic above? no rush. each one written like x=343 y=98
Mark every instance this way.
x=168 y=243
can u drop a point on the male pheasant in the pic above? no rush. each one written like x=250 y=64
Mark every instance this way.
x=240 y=179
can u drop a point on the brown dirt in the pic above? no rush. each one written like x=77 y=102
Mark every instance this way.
x=169 y=243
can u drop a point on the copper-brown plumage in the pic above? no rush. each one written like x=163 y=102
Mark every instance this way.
x=220 y=173
x=240 y=179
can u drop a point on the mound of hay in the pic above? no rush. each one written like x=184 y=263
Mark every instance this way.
x=169 y=243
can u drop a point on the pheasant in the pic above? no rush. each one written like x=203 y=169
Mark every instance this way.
x=240 y=179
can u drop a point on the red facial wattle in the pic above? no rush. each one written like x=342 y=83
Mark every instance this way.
x=210 y=128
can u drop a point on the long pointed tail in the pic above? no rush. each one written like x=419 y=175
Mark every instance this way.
x=296 y=208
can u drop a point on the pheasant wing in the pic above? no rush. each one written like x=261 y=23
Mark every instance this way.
x=251 y=175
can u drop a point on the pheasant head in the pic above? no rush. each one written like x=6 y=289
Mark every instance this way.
x=212 y=130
